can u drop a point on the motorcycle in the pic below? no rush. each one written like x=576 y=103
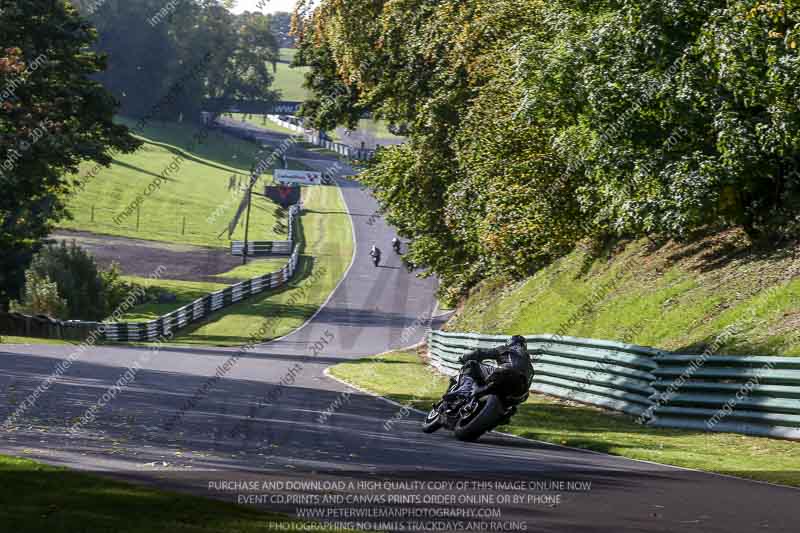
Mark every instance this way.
x=396 y=246
x=470 y=417
x=376 y=258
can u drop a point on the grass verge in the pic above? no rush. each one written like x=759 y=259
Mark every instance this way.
x=672 y=296
x=8 y=339
x=36 y=498
x=403 y=377
x=326 y=242
x=184 y=291
x=325 y=238
x=289 y=81
x=193 y=205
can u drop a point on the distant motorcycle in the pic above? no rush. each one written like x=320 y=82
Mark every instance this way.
x=396 y=245
x=470 y=417
x=375 y=253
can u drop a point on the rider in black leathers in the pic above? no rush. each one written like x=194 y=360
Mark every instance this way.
x=375 y=253
x=512 y=376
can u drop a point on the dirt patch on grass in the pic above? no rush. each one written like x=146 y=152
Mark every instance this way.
x=141 y=258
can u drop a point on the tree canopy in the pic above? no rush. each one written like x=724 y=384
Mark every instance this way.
x=53 y=116
x=198 y=47
x=67 y=67
x=536 y=124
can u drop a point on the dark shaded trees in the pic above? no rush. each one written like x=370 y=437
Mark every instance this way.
x=536 y=124
x=197 y=45
x=52 y=117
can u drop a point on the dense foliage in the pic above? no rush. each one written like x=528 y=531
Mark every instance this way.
x=535 y=124
x=193 y=48
x=53 y=116
x=40 y=297
x=63 y=281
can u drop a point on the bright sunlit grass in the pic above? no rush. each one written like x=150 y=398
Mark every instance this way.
x=193 y=206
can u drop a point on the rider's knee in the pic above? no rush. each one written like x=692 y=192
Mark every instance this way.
x=472 y=368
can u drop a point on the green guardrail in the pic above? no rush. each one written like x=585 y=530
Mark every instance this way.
x=162 y=327
x=754 y=395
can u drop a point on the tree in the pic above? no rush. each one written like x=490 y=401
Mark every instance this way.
x=63 y=281
x=255 y=50
x=142 y=56
x=54 y=117
x=533 y=125
x=422 y=63
x=40 y=297
x=195 y=47
x=677 y=116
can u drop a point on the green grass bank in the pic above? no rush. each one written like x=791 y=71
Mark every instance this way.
x=325 y=237
x=36 y=498
x=193 y=205
x=289 y=80
x=672 y=296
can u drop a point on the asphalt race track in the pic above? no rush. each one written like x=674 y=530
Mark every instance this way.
x=274 y=418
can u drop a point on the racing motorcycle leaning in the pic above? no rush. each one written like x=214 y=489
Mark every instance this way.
x=483 y=396
x=471 y=417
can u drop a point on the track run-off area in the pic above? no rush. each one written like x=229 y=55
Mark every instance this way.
x=274 y=431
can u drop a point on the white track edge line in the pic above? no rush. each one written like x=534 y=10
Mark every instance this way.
x=344 y=276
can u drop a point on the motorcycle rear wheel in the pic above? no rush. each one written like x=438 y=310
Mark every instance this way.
x=485 y=419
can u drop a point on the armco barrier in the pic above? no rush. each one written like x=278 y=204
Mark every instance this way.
x=16 y=324
x=262 y=248
x=23 y=325
x=20 y=325
x=285 y=124
x=608 y=374
x=200 y=308
x=313 y=137
x=752 y=395
x=345 y=150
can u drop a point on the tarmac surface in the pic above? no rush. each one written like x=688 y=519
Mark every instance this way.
x=267 y=427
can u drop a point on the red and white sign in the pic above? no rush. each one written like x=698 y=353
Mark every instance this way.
x=297 y=177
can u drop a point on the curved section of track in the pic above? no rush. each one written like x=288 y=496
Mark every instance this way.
x=193 y=415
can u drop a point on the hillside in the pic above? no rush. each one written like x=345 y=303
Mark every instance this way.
x=192 y=206
x=674 y=296
x=288 y=79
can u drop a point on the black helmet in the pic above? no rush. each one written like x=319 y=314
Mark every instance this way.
x=517 y=339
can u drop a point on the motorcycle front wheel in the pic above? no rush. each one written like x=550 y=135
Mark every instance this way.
x=433 y=421
x=482 y=419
